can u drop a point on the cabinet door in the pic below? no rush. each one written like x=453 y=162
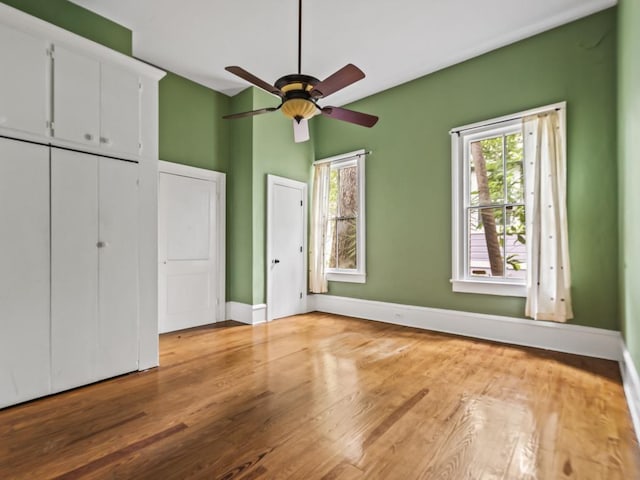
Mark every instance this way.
x=120 y=110
x=24 y=267
x=74 y=268
x=76 y=97
x=23 y=81
x=118 y=271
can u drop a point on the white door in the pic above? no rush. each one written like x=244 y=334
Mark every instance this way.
x=24 y=263
x=23 y=84
x=119 y=110
x=74 y=268
x=94 y=265
x=286 y=247
x=117 y=268
x=76 y=97
x=190 y=264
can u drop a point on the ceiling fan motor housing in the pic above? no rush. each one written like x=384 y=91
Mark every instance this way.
x=297 y=103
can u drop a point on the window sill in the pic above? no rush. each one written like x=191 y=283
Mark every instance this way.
x=490 y=288
x=347 y=277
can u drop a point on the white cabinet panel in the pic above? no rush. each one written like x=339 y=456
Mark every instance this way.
x=24 y=264
x=120 y=110
x=74 y=268
x=23 y=82
x=118 y=268
x=76 y=97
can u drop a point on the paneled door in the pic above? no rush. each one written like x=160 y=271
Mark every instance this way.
x=94 y=264
x=24 y=263
x=286 y=247
x=189 y=270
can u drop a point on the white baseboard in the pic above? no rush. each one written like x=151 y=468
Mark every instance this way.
x=631 y=383
x=561 y=337
x=245 y=313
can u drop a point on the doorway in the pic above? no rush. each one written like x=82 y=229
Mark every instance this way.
x=286 y=247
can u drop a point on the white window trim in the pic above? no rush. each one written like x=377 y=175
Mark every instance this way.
x=460 y=138
x=358 y=275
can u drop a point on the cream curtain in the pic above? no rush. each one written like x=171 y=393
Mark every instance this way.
x=319 y=207
x=549 y=277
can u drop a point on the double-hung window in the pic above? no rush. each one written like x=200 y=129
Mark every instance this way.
x=490 y=251
x=340 y=212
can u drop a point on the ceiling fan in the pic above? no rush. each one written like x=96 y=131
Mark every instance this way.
x=299 y=94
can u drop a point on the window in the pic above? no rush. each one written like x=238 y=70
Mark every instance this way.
x=490 y=248
x=344 y=235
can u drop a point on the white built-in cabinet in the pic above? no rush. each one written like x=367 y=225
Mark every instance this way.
x=24 y=271
x=95 y=103
x=78 y=210
x=24 y=105
x=94 y=258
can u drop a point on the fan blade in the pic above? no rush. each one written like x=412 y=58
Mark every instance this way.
x=300 y=131
x=249 y=77
x=342 y=78
x=350 y=116
x=250 y=114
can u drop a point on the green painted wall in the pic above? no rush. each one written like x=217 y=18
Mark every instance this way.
x=261 y=145
x=78 y=20
x=192 y=131
x=408 y=185
x=274 y=152
x=629 y=168
x=240 y=203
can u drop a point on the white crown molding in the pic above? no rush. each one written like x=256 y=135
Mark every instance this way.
x=560 y=337
x=245 y=313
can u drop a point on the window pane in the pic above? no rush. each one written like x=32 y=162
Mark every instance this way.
x=515 y=168
x=516 y=244
x=348 y=192
x=486 y=172
x=333 y=193
x=485 y=242
x=330 y=244
x=346 y=241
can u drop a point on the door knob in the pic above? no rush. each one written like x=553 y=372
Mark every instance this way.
x=276 y=261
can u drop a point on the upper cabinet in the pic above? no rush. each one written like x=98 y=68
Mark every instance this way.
x=76 y=97
x=59 y=88
x=95 y=103
x=24 y=82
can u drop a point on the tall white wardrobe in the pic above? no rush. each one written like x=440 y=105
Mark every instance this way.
x=78 y=210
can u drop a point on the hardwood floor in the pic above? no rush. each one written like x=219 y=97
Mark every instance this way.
x=326 y=397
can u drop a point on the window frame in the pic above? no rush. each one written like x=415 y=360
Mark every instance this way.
x=356 y=275
x=461 y=137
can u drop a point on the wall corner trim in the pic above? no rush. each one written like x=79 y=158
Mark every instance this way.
x=560 y=337
x=245 y=313
x=631 y=384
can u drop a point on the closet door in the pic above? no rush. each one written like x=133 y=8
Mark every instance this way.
x=23 y=82
x=76 y=97
x=74 y=268
x=24 y=263
x=118 y=268
x=120 y=110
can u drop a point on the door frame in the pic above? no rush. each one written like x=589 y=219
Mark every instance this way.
x=272 y=181
x=211 y=176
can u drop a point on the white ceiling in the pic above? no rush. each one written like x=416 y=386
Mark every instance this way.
x=391 y=41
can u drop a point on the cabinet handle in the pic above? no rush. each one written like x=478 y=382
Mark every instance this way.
x=102 y=244
x=105 y=140
x=88 y=136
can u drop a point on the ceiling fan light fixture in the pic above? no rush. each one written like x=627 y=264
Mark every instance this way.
x=299 y=108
